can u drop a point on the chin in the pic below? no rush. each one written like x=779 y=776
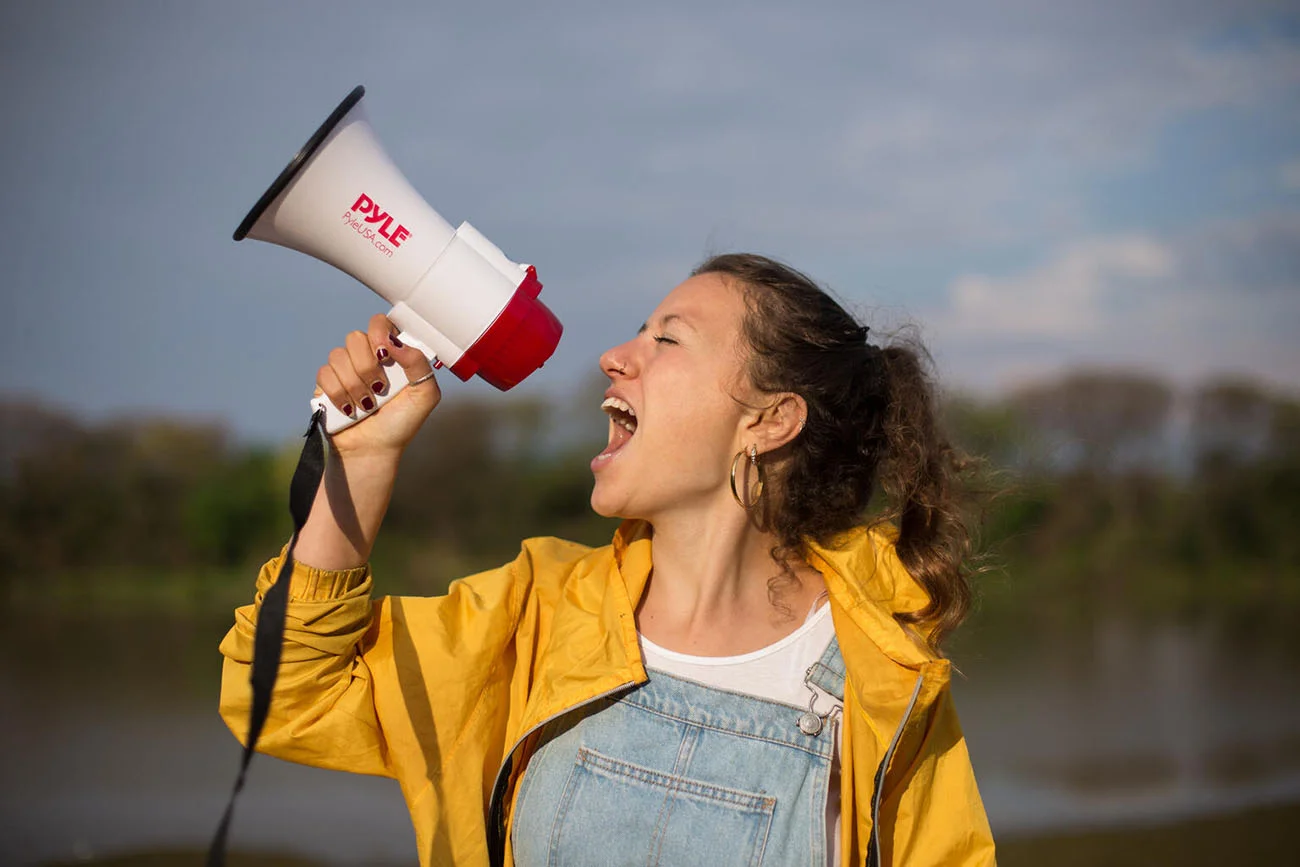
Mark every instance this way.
x=603 y=505
x=608 y=501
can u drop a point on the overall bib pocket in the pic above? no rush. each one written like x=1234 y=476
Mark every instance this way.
x=649 y=817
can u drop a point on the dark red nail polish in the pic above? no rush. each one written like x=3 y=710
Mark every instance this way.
x=347 y=410
x=381 y=353
x=367 y=404
x=392 y=338
x=377 y=387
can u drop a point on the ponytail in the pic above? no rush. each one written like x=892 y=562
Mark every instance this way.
x=919 y=475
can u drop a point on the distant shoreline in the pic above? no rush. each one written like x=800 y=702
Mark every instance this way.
x=1257 y=837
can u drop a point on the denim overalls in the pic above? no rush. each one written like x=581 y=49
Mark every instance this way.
x=677 y=773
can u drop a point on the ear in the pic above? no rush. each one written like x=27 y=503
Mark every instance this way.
x=778 y=422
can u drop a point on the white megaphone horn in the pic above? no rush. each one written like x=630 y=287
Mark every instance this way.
x=455 y=295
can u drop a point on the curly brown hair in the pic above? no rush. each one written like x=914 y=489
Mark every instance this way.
x=871 y=425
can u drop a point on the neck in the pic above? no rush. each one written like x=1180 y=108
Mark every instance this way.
x=709 y=592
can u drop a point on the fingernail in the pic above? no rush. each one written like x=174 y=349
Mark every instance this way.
x=377 y=387
x=392 y=338
x=367 y=404
x=381 y=353
x=347 y=410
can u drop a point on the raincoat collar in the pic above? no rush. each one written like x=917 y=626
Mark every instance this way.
x=867 y=585
x=863 y=574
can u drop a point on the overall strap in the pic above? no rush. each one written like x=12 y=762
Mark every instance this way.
x=827 y=673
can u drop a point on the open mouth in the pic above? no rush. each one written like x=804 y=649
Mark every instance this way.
x=622 y=425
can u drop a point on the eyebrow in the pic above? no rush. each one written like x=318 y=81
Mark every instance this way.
x=670 y=317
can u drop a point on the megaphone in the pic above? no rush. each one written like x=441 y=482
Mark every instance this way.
x=455 y=295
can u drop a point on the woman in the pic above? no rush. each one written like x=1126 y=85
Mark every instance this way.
x=747 y=674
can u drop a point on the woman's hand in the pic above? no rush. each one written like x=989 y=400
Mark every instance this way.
x=355 y=374
x=361 y=468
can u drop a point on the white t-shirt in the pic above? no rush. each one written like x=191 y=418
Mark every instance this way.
x=775 y=672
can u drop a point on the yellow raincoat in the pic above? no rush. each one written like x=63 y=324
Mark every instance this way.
x=442 y=693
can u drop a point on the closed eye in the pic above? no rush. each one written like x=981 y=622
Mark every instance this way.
x=663 y=338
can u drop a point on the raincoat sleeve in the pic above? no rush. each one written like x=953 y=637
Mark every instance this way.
x=362 y=680
x=933 y=815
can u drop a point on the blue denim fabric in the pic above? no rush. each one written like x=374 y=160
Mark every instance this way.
x=678 y=773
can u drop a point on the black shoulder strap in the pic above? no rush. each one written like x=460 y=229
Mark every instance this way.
x=268 y=640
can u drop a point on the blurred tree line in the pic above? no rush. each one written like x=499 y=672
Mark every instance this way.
x=1113 y=492
x=143 y=507
x=1109 y=490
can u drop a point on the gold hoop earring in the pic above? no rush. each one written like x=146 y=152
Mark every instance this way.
x=758 y=478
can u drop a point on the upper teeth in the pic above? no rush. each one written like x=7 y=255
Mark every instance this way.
x=621 y=406
x=618 y=404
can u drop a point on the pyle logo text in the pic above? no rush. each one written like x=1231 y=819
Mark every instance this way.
x=375 y=214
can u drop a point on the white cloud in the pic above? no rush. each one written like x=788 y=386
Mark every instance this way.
x=1183 y=305
x=1065 y=298
x=1290 y=175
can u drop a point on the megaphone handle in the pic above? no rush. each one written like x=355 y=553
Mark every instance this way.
x=336 y=420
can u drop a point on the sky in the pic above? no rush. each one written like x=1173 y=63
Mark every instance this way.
x=1037 y=186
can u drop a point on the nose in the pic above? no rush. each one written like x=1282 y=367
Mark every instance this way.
x=614 y=361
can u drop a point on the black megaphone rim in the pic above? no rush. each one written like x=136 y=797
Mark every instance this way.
x=295 y=165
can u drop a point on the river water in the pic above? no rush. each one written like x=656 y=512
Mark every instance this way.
x=110 y=741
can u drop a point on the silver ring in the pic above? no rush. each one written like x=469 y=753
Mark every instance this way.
x=428 y=376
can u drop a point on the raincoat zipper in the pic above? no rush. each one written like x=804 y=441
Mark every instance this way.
x=496 y=823
x=873 y=859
